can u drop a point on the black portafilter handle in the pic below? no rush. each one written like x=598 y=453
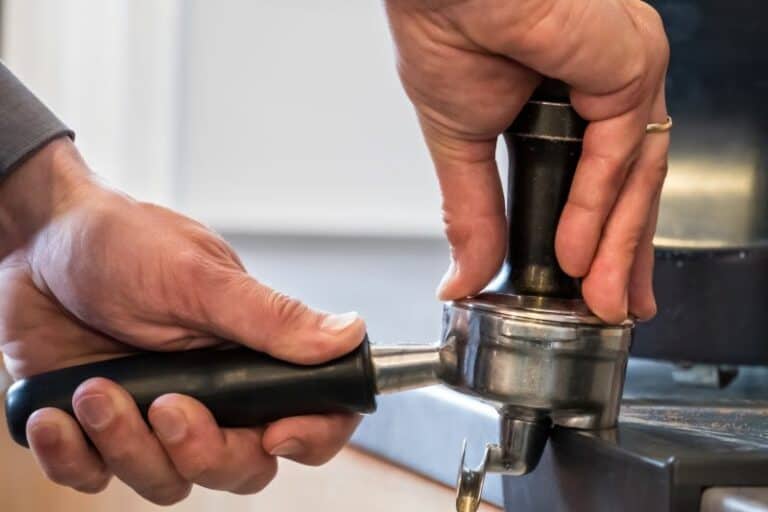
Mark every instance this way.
x=544 y=145
x=241 y=387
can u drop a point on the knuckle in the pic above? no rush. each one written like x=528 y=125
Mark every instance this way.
x=458 y=233
x=631 y=241
x=188 y=262
x=610 y=169
x=604 y=276
x=652 y=173
x=463 y=231
x=653 y=20
x=655 y=32
x=118 y=454
x=285 y=308
x=198 y=469
x=585 y=204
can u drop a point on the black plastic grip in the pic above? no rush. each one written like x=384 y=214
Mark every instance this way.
x=241 y=387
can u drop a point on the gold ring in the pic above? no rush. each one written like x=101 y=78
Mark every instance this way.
x=659 y=127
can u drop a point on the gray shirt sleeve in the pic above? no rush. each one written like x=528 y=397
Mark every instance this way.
x=26 y=124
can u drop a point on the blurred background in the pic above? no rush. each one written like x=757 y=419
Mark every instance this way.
x=282 y=125
x=246 y=115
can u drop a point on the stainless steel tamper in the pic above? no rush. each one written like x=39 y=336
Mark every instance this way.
x=527 y=345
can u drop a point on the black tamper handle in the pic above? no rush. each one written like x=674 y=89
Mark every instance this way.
x=241 y=387
x=544 y=146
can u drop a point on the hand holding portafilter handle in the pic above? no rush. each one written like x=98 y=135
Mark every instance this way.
x=88 y=274
x=241 y=387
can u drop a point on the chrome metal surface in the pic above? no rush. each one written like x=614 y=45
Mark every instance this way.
x=521 y=445
x=518 y=453
x=735 y=499
x=716 y=191
x=469 y=484
x=401 y=367
x=536 y=362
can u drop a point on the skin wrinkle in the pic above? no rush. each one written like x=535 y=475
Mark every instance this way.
x=432 y=112
x=490 y=16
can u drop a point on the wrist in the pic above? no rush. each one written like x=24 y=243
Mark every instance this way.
x=41 y=188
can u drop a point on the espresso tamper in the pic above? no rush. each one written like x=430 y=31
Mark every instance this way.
x=528 y=345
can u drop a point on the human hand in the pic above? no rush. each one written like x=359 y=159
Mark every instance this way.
x=89 y=274
x=468 y=66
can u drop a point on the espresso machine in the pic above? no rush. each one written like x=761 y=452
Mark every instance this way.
x=575 y=435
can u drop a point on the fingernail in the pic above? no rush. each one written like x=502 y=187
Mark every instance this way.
x=45 y=434
x=288 y=448
x=169 y=424
x=447 y=277
x=95 y=411
x=337 y=323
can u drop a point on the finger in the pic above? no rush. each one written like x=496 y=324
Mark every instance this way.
x=232 y=305
x=63 y=453
x=609 y=148
x=312 y=440
x=224 y=459
x=112 y=421
x=642 y=303
x=613 y=138
x=473 y=211
x=606 y=287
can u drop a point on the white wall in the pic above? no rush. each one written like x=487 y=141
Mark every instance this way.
x=280 y=116
x=108 y=68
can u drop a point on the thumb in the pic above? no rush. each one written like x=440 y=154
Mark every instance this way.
x=241 y=309
x=473 y=212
